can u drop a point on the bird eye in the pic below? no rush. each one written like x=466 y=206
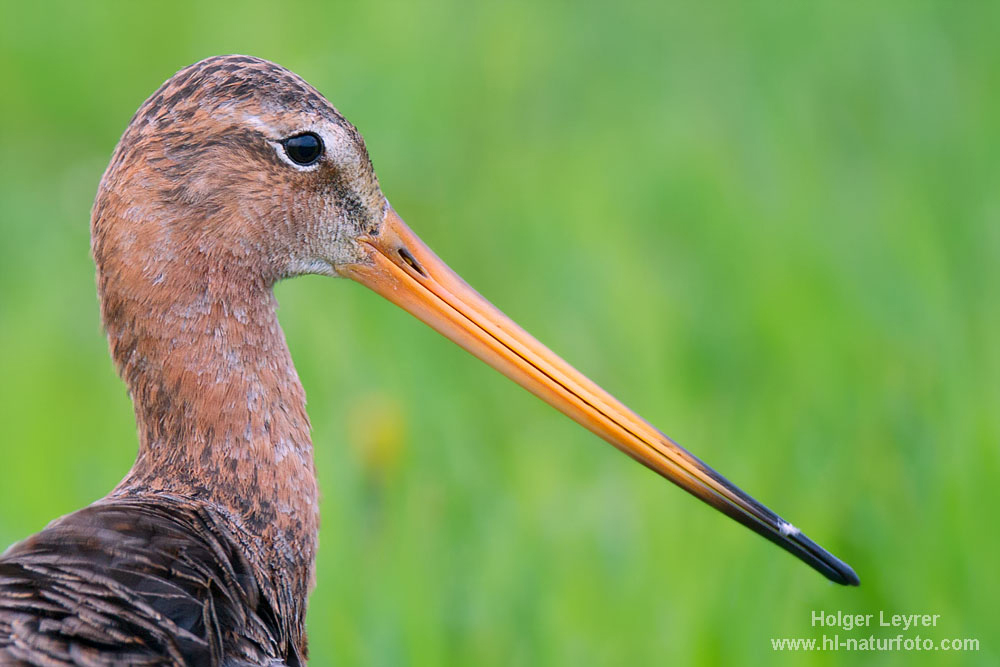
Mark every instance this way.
x=303 y=149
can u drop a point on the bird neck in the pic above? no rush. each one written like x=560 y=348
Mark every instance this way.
x=220 y=410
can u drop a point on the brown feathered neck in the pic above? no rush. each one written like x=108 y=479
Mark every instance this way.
x=219 y=407
x=220 y=411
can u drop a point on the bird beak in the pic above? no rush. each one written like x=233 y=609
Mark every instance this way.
x=405 y=271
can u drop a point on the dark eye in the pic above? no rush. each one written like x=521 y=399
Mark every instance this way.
x=303 y=149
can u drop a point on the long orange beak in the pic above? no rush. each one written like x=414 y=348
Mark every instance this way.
x=404 y=270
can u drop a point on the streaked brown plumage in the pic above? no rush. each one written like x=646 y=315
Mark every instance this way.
x=204 y=553
x=140 y=581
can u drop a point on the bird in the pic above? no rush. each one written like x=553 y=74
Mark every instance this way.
x=233 y=175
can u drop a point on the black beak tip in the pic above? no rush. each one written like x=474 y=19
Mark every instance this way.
x=847 y=575
x=825 y=562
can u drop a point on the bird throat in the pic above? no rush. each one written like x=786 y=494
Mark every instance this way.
x=219 y=407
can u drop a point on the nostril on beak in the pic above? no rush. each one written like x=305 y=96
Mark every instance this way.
x=411 y=261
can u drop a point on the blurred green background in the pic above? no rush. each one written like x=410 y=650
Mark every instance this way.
x=774 y=230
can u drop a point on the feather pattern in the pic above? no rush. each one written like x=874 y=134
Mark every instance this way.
x=138 y=581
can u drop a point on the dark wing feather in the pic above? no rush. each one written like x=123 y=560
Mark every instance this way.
x=135 y=582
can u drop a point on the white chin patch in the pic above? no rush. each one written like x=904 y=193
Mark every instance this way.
x=316 y=267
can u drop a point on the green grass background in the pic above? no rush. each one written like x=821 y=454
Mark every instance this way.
x=772 y=228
